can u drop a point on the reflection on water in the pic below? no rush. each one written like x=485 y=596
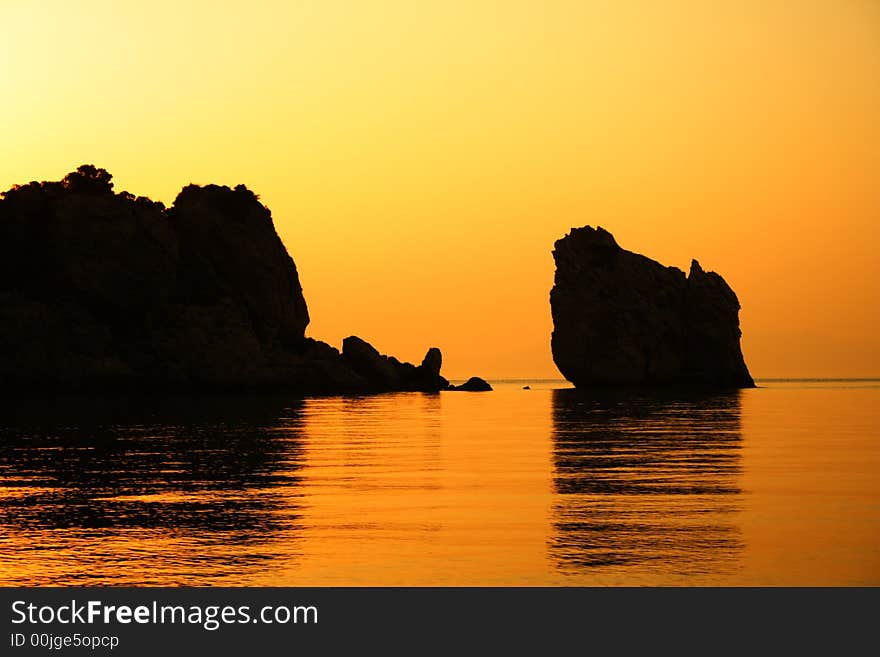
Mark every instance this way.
x=646 y=482
x=545 y=486
x=107 y=477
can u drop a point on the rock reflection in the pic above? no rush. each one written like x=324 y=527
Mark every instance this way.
x=646 y=479
x=208 y=476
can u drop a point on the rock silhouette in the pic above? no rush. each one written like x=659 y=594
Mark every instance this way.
x=620 y=318
x=473 y=384
x=102 y=290
x=388 y=373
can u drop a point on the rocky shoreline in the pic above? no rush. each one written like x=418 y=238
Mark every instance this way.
x=105 y=291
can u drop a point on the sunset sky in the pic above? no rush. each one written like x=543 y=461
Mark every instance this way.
x=420 y=158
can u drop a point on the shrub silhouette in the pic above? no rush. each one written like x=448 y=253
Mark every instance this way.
x=88 y=179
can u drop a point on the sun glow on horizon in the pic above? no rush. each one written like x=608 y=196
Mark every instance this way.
x=420 y=159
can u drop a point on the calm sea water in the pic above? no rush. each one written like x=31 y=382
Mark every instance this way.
x=549 y=486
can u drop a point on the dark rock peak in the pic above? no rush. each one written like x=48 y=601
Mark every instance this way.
x=432 y=361
x=598 y=236
x=621 y=318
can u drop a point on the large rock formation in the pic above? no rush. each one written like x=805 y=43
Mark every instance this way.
x=100 y=290
x=620 y=318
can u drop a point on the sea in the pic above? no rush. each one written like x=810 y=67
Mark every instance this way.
x=533 y=484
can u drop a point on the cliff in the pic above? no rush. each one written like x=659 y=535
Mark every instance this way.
x=102 y=290
x=620 y=318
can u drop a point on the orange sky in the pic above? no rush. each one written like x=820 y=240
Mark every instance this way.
x=420 y=158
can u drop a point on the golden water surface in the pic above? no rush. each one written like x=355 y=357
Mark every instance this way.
x=547 y=486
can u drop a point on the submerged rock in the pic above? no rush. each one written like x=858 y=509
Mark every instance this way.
x=102 y=290
x=620 y=318
x=473 y=384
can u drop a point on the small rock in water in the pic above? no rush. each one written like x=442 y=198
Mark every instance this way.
x=473 y=384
